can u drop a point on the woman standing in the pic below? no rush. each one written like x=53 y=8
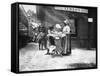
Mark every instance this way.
x=66 y=38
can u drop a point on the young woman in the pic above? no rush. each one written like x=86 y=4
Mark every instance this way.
x=66 y=38
x=56 y=34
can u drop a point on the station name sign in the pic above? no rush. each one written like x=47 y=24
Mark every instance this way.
x=72 y=9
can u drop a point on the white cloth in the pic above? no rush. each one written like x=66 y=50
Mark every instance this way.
x=35 y=25
x=51 y=48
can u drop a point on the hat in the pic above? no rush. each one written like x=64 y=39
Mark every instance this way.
x=57 y=26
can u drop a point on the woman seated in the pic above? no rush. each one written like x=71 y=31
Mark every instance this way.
x=50 y=41
x=56 y=33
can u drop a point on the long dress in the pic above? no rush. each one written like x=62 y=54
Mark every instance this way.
x=59 y=48
x=57 y=41
x=66 y=40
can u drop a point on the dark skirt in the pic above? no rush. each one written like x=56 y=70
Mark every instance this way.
x=66 y=44
x=59 y=48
